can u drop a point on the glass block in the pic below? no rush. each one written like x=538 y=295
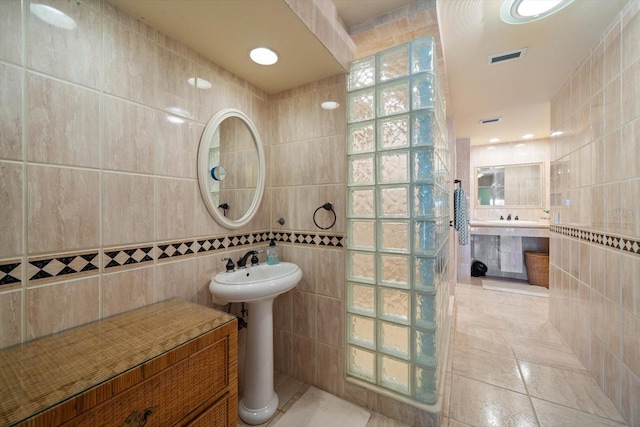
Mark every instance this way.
x=362 y=202
x=361 y=267
x=393 y=132
x=425 y=273
x=393 y=98
x=361 y=105
x=425 y=347
x=361 y=138
x=424 y=161
x=394 y=201
x=424 y=308
x=394 y=305
x=394 y=374
x=423 y=128
x=393 y=63
x=424 y=389
x=394 y=236
x=424 y=239
x=394 y=340
x=393 y=167
x=361 y=235
x=425 y=201
x=361 y=364
x=361 y=299
x=362 y=73
x=394 y=271
x=422 y=54
x=423 y=91
x=361 y=331
x=361 y=170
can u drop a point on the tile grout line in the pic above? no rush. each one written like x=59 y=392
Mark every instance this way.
x=533 y=408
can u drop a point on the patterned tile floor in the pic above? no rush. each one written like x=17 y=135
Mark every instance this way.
x=508 y=366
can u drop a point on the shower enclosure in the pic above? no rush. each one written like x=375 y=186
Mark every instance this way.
x=398 y=224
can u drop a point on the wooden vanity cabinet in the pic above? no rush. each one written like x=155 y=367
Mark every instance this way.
x=192 y=384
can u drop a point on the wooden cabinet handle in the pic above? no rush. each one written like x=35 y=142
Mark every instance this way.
x=138 y=418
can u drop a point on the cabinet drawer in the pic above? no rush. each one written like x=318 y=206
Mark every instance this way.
x=170 y=395
x=216 y=415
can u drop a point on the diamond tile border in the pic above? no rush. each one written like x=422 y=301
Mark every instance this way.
x=176 y=249
x=69 y=265
x=52 y=267
x=10 y=273
x=611 y=241
x=131 y=256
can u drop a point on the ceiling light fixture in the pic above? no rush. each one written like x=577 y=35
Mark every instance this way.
x=524 y=11
x=53 y=16
x=263 y=56
x=557 y=133
x=494 y=140
x=329 y=105
x=199 y=83
x=527 y=136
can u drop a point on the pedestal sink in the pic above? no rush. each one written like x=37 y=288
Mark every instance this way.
x=258 y=286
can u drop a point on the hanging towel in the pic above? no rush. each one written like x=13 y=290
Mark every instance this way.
x=460 y=215
x=511 y=254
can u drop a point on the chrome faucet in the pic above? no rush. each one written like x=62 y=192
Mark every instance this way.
x=242 y=262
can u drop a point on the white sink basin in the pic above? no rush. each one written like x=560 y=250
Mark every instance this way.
x=509 y=223
x=254 y=283
x=257 y=286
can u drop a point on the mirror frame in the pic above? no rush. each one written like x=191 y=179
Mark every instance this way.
x=203 y=167
x=542 y=187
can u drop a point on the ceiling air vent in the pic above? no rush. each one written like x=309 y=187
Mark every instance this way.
x=512 y=55
x=491 y=120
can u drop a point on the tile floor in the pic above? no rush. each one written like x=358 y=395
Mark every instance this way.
x=508 y=366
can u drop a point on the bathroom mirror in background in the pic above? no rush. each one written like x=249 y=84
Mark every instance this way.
x=231 y=168
x=509 y=185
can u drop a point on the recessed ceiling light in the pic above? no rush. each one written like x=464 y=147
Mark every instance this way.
x=527 y=136
x=494 y=140
x=199 y=83
x=53 y=16
x=329 y=105
x=524 y=11
x=557 y=133
x=263 y=56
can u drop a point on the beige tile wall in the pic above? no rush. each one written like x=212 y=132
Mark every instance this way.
x=99 y=137
x=308 y=165
x=594 y=286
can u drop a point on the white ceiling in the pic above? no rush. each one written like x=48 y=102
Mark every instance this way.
x=519 y=91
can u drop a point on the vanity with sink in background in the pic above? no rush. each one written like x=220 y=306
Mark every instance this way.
x=500 y=245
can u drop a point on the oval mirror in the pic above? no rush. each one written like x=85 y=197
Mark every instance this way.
x=231 y=168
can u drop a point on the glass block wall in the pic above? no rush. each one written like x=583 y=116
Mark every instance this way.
x=398 y=221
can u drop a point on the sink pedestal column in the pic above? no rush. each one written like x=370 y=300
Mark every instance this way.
x=259 y=401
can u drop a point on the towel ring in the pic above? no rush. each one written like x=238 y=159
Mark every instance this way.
x=329 y=207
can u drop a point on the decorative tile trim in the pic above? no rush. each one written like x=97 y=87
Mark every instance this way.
x=131 y=256
x=625 y=244
x=176 y=249
x=46 y=268
x=211 y=244
x=11 y=272
x=329 y=240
